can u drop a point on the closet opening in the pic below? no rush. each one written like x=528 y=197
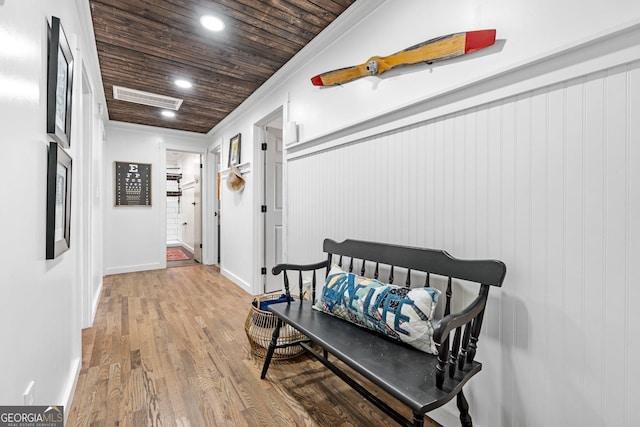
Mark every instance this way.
x=184 y=208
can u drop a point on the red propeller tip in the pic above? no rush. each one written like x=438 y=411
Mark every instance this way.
x=477 y=40
x=317 y=81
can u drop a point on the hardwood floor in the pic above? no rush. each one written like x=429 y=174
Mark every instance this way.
x=168 y=348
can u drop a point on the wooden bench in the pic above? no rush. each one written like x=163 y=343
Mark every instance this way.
x=419 y=380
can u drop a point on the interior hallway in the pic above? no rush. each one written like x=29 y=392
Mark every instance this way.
x=168 y=348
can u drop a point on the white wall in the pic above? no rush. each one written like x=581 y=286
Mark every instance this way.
x=522 y=153
x=544 y=181
x=135 y=237
x=41 y=302
x=238 y=246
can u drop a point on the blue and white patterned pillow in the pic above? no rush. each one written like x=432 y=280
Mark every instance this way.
x=401 y=313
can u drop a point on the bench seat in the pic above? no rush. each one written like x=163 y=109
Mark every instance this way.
x=409 y=374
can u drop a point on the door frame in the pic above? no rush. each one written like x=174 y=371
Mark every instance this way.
x=272 y=246
x=210 y=253
x=198 y=214
x=204 y=200
x=258 y=195
x=88 y=218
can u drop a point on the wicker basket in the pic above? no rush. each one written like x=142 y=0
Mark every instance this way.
x=259 y=327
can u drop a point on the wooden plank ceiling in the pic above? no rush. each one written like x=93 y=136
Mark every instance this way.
x=147 y=44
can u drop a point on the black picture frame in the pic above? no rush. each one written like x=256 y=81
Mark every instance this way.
x=132 y=184
x=59 y=172
x=234 y=150
x=59 y=84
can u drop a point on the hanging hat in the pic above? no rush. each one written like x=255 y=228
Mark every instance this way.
x=235 y=181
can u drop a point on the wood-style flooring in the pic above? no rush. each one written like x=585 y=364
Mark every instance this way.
x=168 y=348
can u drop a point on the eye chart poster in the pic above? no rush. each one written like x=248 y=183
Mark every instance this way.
x=133 y=184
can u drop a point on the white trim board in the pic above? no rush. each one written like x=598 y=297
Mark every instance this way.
x=134 y=268
x=70 y=389
x=237 y=281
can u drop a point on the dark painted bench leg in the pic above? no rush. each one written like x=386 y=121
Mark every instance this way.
x=418 y=420
x=463 y=407
x=271 y=349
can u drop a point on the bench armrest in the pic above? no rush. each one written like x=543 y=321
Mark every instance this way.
x=299 y=267
x=454 y=320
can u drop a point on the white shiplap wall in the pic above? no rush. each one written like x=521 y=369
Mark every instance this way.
x=547 y=181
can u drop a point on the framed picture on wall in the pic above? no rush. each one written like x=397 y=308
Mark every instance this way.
x=58 y=231
x=234 y=151
x=132 y=184
x=59 y=84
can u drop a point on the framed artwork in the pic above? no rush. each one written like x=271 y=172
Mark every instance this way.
x=59 y=84
x=234 y=151
x=58 y=201
x=132 y=184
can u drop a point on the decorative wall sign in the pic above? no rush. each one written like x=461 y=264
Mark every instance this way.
x=58 y=201
x=438 y=49
x=234 y=151
x=59 y=84
x=133 y=184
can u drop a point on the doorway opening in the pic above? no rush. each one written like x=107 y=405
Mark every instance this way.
x=184 y=208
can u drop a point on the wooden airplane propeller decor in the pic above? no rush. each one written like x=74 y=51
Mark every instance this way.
x=438 y=49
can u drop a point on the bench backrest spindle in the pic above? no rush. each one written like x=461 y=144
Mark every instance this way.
x=362 y=270
x=287 y=291
x=390 y=275
x=407 y=283
x=465 y=346
x=475 y=328
x=455 y=348
x=313 y=287
x=300 y=284
x=449 y=294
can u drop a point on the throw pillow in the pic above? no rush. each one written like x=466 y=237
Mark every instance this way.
x=403 y=314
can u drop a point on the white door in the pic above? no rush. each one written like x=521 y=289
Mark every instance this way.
x=273 y=201
x=197 y=209
x=186 y=217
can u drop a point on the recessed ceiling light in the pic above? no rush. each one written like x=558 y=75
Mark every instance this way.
x=212 y=23
x=184 y=84
x=167 y=113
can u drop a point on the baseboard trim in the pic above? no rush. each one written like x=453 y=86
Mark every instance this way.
x=236 y=280
x=133 y=268
x=94 y=303
x=70 y=390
